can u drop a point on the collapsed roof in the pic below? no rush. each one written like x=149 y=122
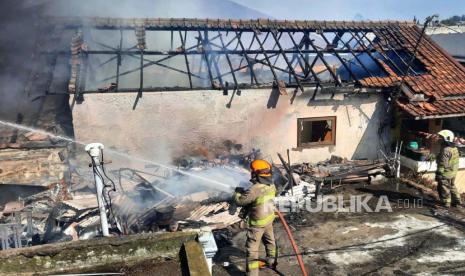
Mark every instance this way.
x=138 y=55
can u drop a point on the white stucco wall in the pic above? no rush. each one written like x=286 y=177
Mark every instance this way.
x=163 y=124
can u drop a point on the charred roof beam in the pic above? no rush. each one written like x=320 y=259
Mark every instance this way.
x=308 y=68
x=347 y=45
x=393 y=49
x=320 y=55
x=247 y=58
x=343 y=62
x=200 y=52
x=206 y=50
x=183 y=47
x=229 y=62
x=289 y=65
x=262 y=25
x=267 y=58
x=298 y=62
x=382 y=53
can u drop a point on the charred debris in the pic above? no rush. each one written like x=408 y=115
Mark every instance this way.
x=151 y=203
x=142 y=201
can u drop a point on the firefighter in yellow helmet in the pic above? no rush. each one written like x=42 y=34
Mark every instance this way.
x=259 y=205
x=448 y=165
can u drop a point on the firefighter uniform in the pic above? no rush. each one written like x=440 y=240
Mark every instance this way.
x=448 y=164
x=258 y=201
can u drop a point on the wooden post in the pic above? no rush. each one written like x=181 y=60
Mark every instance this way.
x=195 y=259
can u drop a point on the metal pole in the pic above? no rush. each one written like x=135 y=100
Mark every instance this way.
x=94 y=150
x=30 y=231
x=4 y=237
x=417 y=46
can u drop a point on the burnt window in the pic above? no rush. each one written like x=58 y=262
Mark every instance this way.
x=316 y=131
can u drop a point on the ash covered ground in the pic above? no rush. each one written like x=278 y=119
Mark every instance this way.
x=419 y=239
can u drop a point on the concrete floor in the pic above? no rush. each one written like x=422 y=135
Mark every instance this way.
x=425 y=240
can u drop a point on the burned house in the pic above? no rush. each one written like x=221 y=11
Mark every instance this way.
x=161 y=88
x=157 y=90
x=316 y=88
x=273 y=85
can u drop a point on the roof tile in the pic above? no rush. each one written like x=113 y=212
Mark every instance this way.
x=436 y=108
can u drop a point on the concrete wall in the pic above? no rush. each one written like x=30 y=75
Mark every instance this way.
x=428 y=168
x=104 y=254
x=460 y=181
x=445 y=30
x=165 y=124
x=451 y=42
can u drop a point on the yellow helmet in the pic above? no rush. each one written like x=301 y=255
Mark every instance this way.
x=260 y=167
x=447 y=135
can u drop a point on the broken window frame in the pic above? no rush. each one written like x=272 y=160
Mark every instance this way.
x=302 y=145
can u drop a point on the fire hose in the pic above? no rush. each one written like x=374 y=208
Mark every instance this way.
x=283 y=221
x=294 y=245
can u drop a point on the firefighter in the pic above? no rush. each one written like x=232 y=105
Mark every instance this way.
x=448 y=164
x=258 y=203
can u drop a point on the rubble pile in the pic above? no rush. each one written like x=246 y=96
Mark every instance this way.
x=308 y=180
x=23 y=222
x=160 y=199
x=337 y=171
x=150 y=200
x=167 y=200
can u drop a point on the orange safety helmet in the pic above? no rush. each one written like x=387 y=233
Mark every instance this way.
x=260 y=167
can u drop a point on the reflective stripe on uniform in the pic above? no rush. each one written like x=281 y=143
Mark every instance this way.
x=263 y=221
x=450 y=170
x=269 y=193
x=448 y=173
x=262 y=199
x=253 y=265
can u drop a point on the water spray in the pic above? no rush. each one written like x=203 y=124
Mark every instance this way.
x=140 y=159
x=40 y=131
x=122 y=154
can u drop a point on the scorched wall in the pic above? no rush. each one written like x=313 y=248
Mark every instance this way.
x=164 y=124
